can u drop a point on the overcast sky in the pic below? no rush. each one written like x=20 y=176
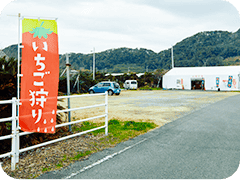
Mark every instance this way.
x=107 y=24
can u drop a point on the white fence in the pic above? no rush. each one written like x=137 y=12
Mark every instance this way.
x=15 y=150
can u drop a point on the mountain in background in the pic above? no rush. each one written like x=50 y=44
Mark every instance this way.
x=209 y=48
x=11 y=51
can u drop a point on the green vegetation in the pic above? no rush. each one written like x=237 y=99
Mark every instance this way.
x=153 y=80
x=118 y=130
x=59 y=165
x=46 y=169
x=145 y=88
x=79 y=155
x=8 y=89
x=232 y=61
x=156 y=88
x=209 y=48
x=150 y=88
x=115 y=127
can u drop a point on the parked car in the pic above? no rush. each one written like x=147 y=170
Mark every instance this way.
x=130 y=84
x=101 y=87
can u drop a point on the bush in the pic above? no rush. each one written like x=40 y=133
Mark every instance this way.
x=114 y=122
x=8 y=84
x=8 y=90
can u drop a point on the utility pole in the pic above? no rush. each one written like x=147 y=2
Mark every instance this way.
x=172 y=59
x=93 y=63
x=78 y=90
x=68 y=89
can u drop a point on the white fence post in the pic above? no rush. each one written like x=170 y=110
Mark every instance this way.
x=15 y=135
x=106 y=113
x=17 y=147
x=14 y=124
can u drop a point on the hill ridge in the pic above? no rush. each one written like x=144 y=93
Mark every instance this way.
x=207 y=48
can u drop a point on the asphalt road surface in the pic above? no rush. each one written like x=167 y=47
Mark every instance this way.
x=203 y=144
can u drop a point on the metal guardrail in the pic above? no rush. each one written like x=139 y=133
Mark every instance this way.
x=15 y=149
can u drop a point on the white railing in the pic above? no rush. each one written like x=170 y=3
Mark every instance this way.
x=15 y=150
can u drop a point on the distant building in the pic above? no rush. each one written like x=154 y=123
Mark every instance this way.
x=139 y=74
x=121 y=74
x=220 y=78
x=115 y=74
x=72 y=71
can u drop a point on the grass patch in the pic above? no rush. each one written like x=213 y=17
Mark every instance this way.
x=59 y=165
x=86 y=126
x=118 y=131
x=46 y=169
x=79 y=155
x=149 y=88
x=138 y=126
x=156 y=88
x=115 y=127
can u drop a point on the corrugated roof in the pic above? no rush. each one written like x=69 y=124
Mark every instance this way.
x=210 y=70
x=120 y=74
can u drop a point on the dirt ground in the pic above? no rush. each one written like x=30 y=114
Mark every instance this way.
x=159 y=107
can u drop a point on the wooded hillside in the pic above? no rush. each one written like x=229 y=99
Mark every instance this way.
x=210 y=48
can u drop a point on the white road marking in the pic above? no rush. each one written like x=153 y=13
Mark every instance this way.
x=104 y=159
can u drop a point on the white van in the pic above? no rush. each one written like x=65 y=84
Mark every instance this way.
x=130 y=84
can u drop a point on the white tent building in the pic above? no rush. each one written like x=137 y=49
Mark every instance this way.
x=224 y=78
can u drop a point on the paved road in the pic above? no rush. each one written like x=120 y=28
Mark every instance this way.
x=203 y=144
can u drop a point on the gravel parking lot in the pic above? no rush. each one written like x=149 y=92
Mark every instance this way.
x=160 y=107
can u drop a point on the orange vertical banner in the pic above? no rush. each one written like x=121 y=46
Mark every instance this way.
x=40 y=70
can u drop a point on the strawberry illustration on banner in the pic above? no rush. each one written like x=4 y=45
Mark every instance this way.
x=217 y=81
x=234 y=83
x=230 y=81
x=40 y=69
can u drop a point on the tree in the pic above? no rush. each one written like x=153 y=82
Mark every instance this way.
x=8 y=66
x=158 y=74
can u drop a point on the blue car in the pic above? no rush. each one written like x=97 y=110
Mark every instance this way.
x=101 y=87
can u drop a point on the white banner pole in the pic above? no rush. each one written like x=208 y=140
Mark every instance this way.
x=18 y=88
